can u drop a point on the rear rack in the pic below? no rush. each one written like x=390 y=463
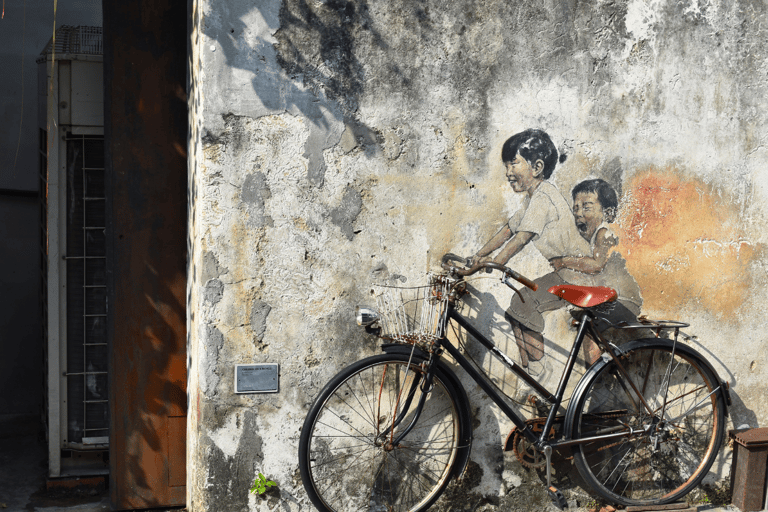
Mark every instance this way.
x=656 y=325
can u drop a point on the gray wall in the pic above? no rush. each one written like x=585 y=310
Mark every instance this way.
x=338 y=143
x=27 y=33
x=27 y=28
x=21 y=366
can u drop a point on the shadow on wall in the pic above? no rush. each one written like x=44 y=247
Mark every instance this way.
x=312 y=69
x=159 y=381
x=315 y=46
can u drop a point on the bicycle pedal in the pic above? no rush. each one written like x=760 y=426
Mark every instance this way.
x=557 y=497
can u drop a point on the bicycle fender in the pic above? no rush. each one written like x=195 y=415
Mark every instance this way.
x=465 y=443
x=570 y=413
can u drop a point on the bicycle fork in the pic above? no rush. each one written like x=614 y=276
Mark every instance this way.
x=420 y=381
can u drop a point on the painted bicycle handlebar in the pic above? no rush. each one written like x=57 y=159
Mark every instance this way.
x=450 y=258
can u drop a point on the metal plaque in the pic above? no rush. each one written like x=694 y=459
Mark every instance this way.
x=256 y=378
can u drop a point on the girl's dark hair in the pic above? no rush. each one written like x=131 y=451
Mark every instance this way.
x=532 y=145
x=607 y=197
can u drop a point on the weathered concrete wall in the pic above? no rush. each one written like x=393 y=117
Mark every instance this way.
x=338 y=143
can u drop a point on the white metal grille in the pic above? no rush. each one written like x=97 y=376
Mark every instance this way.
x=87 y=357
x=80 y=40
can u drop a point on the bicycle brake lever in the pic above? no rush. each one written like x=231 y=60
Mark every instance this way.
x=507 y=282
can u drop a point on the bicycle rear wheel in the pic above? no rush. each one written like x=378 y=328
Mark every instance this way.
x=346 y=456
x=671 y=435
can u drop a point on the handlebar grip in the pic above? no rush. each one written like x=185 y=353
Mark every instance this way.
x=524 y=280
x=488 y=266
x=511 y=273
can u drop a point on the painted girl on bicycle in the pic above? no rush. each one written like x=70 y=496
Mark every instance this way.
x=546 y=221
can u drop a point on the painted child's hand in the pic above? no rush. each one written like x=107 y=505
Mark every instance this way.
x=480 y=259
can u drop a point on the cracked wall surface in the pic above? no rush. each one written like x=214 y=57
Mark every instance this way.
x=338 y=143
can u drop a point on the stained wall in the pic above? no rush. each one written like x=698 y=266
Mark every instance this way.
x=335 y=143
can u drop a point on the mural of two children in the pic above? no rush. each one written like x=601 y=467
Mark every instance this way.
x=577 y=242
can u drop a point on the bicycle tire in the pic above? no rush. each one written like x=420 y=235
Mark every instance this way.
x=665 y=463
x=344 y=459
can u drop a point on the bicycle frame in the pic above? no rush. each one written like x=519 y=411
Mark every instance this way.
x=555 y=400
x=586 y=326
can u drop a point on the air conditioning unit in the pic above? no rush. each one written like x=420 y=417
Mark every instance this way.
x=73 y=254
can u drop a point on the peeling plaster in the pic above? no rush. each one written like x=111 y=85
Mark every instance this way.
x=211 y=267
x=259 y=313
x=214 y=290
x=340 y=143
x=345 y=214
x=254 y=193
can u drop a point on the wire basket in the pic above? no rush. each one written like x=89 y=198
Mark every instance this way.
x=413 y=315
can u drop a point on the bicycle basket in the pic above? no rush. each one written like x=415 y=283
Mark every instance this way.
x=413 y=315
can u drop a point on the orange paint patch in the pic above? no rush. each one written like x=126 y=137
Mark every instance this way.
x=684 y=244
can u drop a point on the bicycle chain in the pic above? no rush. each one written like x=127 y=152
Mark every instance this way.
x=525 y=452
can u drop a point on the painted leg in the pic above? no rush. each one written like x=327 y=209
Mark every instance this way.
x=520 y=344
x=591 y=351
x=530 y=343
x=534 y=344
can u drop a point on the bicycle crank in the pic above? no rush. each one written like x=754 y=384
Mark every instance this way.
x=523 y=449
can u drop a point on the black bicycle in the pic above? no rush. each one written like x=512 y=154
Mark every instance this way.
x=388 y=433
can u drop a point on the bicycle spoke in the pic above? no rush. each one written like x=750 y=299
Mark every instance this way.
x=362 y=407
x=355 y=409
x=673 y=445
x=343 y=420
x=350 y=469
x=696 y=407
x=681 y=397
x=334 y=476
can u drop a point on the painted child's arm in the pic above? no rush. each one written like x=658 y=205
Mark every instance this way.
x=515 y=244
x=604 y=242
x=494 y=243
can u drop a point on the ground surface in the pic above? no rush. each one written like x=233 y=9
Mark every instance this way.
x=23 y=464
x=23 y=467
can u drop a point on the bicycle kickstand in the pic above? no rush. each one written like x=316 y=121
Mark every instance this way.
x=554 y=493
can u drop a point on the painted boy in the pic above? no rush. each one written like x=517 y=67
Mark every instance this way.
x=594 y=207
x=546 y=221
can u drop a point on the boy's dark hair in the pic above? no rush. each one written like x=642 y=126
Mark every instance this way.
x=607 y=197
x=532 y=145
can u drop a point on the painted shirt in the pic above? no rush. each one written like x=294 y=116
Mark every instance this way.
x=615 y=274
x=547 y=215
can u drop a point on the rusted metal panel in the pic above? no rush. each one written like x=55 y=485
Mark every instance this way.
x=748 y=473
x=146 y=131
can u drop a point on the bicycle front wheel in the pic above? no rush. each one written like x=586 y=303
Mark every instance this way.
x=666 y=415
x=346 y=453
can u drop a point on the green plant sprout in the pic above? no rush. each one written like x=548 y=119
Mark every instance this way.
x=261 y=484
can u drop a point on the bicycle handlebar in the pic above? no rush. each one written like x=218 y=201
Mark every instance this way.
x=490 y=265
